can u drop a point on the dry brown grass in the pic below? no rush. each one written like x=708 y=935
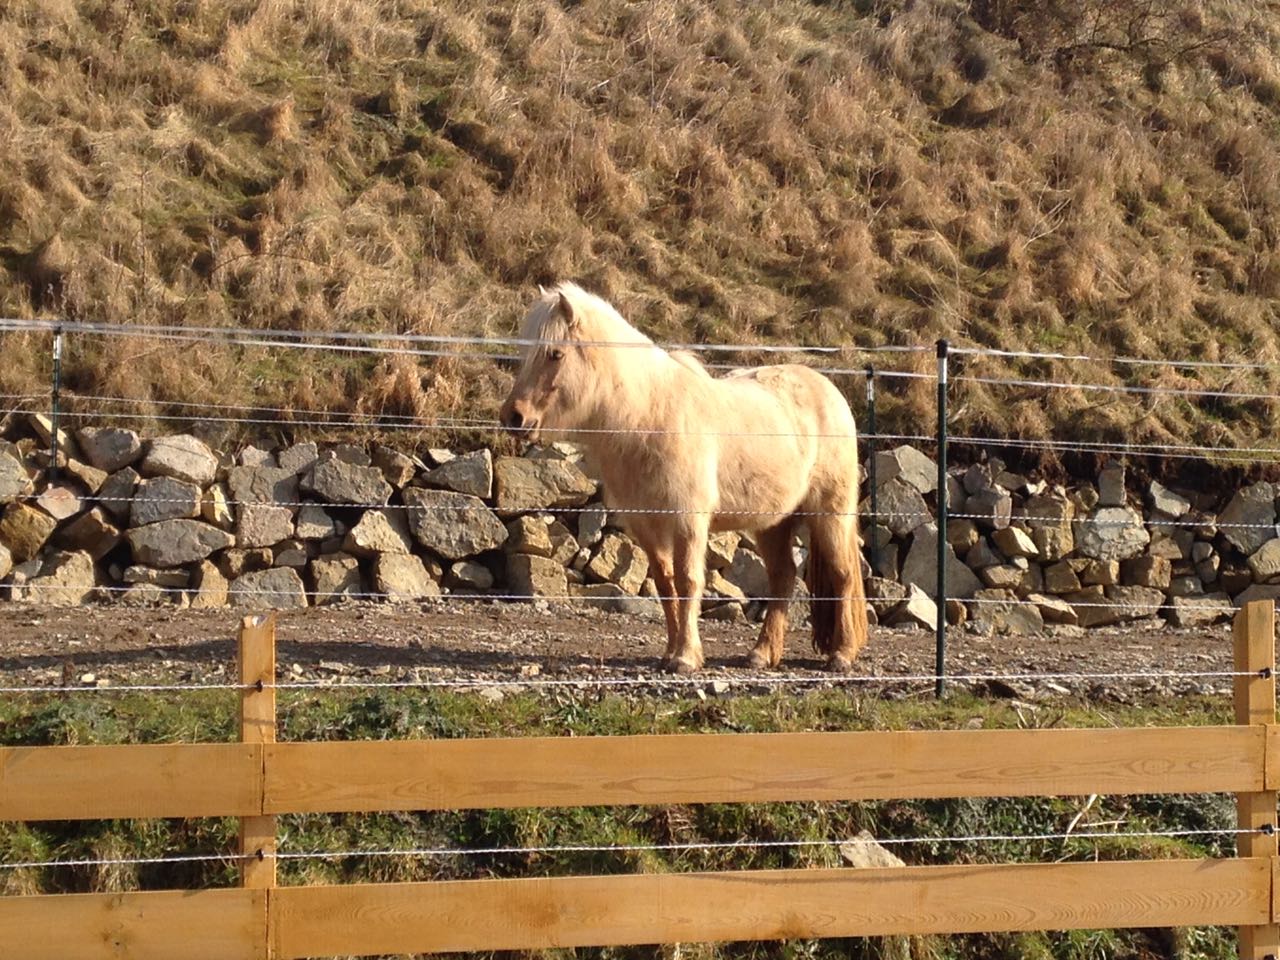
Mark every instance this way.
x=781 y=171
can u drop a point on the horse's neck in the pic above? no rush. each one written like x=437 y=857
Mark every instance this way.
x=632 y=400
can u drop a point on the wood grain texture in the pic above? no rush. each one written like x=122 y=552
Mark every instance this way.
x=762 y=905
x=702 y=768
x=1253 y=641
x=133 y=780
x=256 y=663
x=162 y=925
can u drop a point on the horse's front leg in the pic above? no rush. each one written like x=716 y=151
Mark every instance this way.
x=662 y=569
x=690 y=576
x=780 y=564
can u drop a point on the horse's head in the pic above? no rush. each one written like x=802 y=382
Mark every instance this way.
x=550 y=388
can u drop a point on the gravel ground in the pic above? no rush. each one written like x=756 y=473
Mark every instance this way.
x=489 y=643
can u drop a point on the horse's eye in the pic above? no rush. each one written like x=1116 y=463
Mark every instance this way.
x=557 y=354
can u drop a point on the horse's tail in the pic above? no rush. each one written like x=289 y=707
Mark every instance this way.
x=833 y=574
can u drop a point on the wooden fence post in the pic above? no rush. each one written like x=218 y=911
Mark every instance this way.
x=1254 y=633
x=257 y=668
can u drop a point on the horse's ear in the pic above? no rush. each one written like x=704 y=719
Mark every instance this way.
x=542 y=291
x=566 y=309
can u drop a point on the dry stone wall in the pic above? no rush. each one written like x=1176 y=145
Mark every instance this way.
x=168 y=520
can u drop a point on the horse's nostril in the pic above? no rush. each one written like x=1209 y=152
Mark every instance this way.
x=515 y=419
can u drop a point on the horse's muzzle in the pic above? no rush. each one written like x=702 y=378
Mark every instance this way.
x=514 y=420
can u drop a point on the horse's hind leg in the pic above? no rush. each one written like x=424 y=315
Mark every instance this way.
x=662 y=569
x=780 y=564
x=837 y=576
x=691 y=576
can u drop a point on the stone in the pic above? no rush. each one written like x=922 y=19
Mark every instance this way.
x=209 y=587
x=182 y=457
x=619 y=560
x=379 y=532
x=402 y=576
x=164 y=498
x=65 y=580
x=1265 y=562
x=1092 y=607
x=900 y=506
x=397 y=468
x=6 y=561
x=236 y=563
x=1032 y=580
x=1201 y=551
x=1168 y=548
x=110 y=448
x=290 y=553
x=982 y=554
x=864 y=852
x=1054 y=609
x=1136 y=603
x=962 y=535
x=977 y=479
x=990 y=508
x=1233 y=579
x=717 y=587
x=172 y=543
x=471 y=474
x=116 y=495
x=611 y=598
x=439 y=455
x=279 y=588
x=884 y=595
x=314 y=523
x=1104 y=572
x=1002 y=577
x=1199 y=611
x=91 y=532
x=1207 y=569
x=60 y=501
x=1111 y=491
x=215 y=508
x=453 y=525
x=591 y=523
x=1015 y=542
x=1111 y=533
x=469 y=575
x=748 y=573
x=921 y=566
x=532 y=577
x=91 y=478
x=1165 y=501
x=350 y=453
x=14 y=480
x=528 y=535
x=522 y=484
x=917 y=609
x=258 y=525
x=1185 y=586
x=348 y=484
x=299 y=458
x=1005 y=613
x=721 y=549
x=884 y=561
x=24 y=530
x=909 y=465
x=176 y=579
x=1147 y=572
x=564 y=546
x=336 y=576
x=1249 y=519
x=1050 y=519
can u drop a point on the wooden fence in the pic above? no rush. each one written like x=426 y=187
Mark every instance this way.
x=257 y=779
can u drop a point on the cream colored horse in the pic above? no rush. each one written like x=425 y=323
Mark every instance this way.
x=758 y=450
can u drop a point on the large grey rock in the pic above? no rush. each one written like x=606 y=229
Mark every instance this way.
x=1165 y=501
x=1050 y=517
x=116 y=495
x=164 y=498
x=314 y=523
x=523 y=485
x=532 y=577
x=182 y=457
x=65 y=580
x=900 y=506
x=110 y=448
x=14 y=481
x=611 y=598
x=347 y=483
x=471 y=474
x=251 y=456
x=990 y=509
x=1111 y=491
x=263 y=498
x=453 y=525
x=1265 y=562
x=1092 y=607
x=298 y=458
x=1136 y=603
x=1199 y=611
x=1005 y=613
x=1250 y=517
x=397 y=468
x=279 y=588
x=591 y=524
x=336 y=576
x=402 y=576
x=379 y=532
x=24 y=530
x=917 y=609
x=884 y=595
x=172 y=543
x=469 y=575
x=921 y=566
x=619 y=560
x=1111 y=533
x=909 y=465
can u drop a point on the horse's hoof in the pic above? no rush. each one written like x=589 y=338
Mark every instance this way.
x=758 y=661
x=838 y=664
x=681 y=667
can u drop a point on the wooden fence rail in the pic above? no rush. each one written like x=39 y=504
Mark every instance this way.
x=258 y=779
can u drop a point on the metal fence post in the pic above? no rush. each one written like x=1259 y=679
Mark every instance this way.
x=872 y=442
x=940 y=596
x=53 y=409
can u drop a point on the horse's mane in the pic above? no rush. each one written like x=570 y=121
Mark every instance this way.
x=597 y=321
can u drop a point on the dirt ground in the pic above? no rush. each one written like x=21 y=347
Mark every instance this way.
x=503 y=642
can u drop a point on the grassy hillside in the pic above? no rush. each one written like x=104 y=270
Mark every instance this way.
x=1093 y=177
